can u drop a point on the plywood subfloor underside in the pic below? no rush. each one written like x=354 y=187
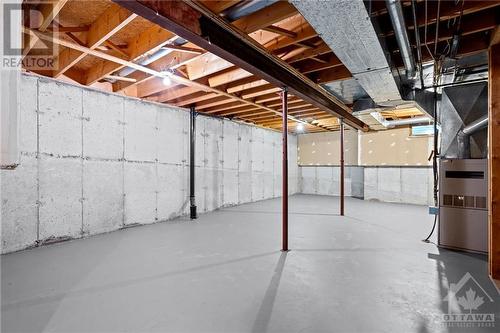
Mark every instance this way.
x=366 y=272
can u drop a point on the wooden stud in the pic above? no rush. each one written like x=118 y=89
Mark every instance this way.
x=494 y=161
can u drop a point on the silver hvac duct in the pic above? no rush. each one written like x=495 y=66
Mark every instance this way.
x=400 y=122
x=144 y=61
x=463 y=137
x=398 y=22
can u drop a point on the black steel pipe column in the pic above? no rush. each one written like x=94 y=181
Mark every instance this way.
x=192 y=160
x=341 y=167
x=284 y=208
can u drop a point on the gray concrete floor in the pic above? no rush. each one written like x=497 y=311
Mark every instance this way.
x=366 y=272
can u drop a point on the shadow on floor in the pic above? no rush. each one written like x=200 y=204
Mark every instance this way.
x=266 y=308
x=465 y=288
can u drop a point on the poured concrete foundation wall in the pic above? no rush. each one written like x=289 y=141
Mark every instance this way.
x=412 y=185
x=94 y=162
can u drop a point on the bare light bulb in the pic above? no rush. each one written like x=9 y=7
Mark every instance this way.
x=300 y=127
x=167 y=80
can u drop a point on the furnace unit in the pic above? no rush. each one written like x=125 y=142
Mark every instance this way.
x=463 y=167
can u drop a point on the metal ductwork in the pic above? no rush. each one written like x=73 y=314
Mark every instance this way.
x=346 y=28
x=400 y=122
x=463 y=136
x=145 y=60
x=463 y=113
x=398 y=22
x=245 y=8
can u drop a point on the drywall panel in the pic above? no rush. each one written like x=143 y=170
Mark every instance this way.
x=103 y=196
x=102 y=125
x=60 y=113
x=140 y=186
x=394 y=148
x=28 y=127
x=172 y=192
x=60 y=197
x=324 y=148
x=18 y=191
x=173 y=136
x=141 y=134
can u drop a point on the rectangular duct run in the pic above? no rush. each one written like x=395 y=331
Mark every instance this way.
x=346 y=28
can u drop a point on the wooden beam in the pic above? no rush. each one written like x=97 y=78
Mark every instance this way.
x=495 y=36
x=184 y=49
x=494 y=161
x=280 y=31
x=116 y=48
x=49 y=11
x=61 y=29
x=149 y=40
x=108 y=23
x=219 y=6
x=206 y=64
x=265 y=17
x=126 y=63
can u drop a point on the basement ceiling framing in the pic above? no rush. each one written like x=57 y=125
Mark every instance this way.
x=99 y=39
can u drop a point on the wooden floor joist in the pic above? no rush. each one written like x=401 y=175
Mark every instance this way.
x=194 y=22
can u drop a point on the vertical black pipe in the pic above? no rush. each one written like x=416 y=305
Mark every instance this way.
x=192 y=137
x=284 y=208
x=341 y=167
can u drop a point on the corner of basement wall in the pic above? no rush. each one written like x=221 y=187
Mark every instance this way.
x=94 y=162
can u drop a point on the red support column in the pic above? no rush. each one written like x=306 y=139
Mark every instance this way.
x=341 y=167
x=284 y=208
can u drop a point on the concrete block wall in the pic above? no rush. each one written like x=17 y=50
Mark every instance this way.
x=93 y=162
x=411 y=185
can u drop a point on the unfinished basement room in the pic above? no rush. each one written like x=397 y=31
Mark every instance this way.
x=301 y=166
